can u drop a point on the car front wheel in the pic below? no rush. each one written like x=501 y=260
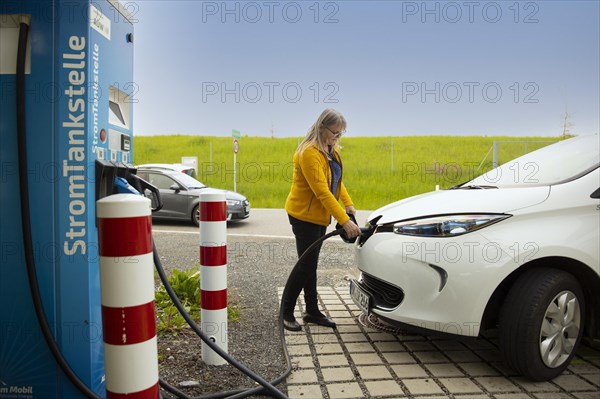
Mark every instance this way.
x=196 y=216
x=541 y=323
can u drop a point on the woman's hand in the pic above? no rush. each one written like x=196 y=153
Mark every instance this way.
x=350 y=209
x=351 y=229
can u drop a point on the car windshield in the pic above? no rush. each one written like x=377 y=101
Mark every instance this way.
x=187 y=180
x=553 y=164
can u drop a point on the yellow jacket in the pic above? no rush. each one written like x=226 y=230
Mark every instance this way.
x=310 y=198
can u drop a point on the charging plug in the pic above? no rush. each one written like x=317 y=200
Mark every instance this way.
x=343 y=234
x=123 y=187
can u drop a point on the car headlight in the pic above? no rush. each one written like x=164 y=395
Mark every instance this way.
x=233 y=202
x=447 y=225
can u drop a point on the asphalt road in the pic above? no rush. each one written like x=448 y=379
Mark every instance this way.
x=266 y=223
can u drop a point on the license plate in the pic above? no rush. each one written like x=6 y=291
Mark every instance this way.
x=360 y=297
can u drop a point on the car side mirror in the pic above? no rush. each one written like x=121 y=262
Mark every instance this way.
x=175 y=187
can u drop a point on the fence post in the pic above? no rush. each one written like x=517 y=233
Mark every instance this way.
x=127 y=296
x=392 y=152
x=213 y=273
x=495 y=155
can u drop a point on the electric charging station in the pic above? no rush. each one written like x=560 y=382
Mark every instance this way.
x=78 y=89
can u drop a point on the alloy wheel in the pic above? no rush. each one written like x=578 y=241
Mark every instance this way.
x=560 y=329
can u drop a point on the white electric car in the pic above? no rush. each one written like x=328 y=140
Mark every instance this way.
x=516 y=249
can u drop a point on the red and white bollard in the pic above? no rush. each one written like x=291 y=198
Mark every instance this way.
x=127 y=297
x=213 y=273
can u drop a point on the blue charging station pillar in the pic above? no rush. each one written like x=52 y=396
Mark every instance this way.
x=79 y=91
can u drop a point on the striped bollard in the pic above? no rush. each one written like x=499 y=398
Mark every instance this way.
x=213 y=273
x=127 y=297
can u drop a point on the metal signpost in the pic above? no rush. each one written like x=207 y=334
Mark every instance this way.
x=236 y=146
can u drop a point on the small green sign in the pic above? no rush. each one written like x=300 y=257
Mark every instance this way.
x=236 y=134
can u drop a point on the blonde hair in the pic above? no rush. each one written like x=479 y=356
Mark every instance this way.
x=328 y=117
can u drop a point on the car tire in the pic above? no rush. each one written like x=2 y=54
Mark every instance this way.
x=196 y=216
x=541 y=323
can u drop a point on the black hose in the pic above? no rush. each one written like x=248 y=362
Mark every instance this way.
x=267 y=387
x=161 y=273
x=32 y=274
x=26 y=219
x=286 y=354
x=296 y=268
x=170 y=388
x=294 y=271
x=242 y=393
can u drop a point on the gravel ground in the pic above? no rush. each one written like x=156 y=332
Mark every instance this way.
x=256 y=267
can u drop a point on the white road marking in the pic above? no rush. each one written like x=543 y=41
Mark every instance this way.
x=229 y=234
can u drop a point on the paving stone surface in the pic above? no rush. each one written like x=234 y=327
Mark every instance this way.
x=359 y=360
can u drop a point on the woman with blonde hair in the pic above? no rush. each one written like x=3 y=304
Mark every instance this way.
x=315 y=196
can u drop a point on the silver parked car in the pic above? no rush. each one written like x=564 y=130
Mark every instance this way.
x=180 y=192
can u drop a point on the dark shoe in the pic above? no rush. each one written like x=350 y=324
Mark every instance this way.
x=291 y=325
x=321 y=320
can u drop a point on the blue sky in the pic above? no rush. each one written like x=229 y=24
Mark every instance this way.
x=393 y=68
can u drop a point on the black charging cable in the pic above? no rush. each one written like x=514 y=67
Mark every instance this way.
x=338 y=231
x=267 y=387
x=26 y=220
x=242 y=393
x=30 y=261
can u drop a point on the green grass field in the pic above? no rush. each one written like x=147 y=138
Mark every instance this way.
x=377 y=170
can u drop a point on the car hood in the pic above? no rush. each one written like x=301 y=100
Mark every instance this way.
x=229 y=195
x=462 y=201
